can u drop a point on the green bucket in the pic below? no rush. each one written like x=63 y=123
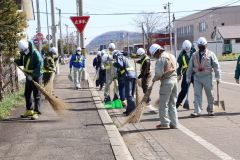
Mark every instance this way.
x=116 y=104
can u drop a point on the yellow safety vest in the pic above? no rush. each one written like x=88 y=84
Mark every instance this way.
x=146 y=58
x=25 y=68
x=78 y=60
x=127 y=69
x=185 y=65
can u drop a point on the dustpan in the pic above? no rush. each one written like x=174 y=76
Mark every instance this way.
x=219 y=106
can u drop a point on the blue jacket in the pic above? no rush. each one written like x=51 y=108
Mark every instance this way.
x=237 y=70
x=77 y=61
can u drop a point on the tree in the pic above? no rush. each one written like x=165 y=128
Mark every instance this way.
x=12 y=24
x=149 y=23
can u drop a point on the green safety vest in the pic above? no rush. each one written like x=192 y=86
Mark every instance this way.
x=49 y=71
x=78 y=60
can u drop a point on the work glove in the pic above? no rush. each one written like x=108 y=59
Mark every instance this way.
x=218 y=81
x=179 y=78
x=29 y=78
x=237 y=81
x=11 y=60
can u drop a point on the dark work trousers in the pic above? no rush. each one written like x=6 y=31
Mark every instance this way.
x=101 y=79
x=145 y=84
x=184 y=89
x=46 y=77
x=129 y=92
x=29 y=88
x=121 y=88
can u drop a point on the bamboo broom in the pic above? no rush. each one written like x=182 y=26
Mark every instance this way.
x=136 y=115
x=49 y=86
x=57 y=104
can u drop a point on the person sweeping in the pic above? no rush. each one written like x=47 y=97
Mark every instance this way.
x=49 y=67
x=32 y=62
x=165 y=71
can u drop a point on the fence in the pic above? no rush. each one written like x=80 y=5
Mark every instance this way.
x=8 y=77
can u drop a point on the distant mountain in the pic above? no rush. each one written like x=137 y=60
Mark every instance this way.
x=117 y=37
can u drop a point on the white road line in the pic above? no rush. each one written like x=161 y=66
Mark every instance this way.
x=235 y=84
x=222 y=155
x=227 y=73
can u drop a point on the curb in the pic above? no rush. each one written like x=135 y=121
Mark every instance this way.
x=119 y=147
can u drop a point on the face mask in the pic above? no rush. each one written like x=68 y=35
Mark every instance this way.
x=26 y=51
x=201 y=48
x=187 y=50
x=78 y=52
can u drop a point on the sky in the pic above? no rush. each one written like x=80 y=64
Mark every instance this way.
x=99 y=24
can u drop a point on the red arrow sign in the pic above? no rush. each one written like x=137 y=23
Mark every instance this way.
x=80 y=22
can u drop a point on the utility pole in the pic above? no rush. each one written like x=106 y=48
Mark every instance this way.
x=128 y=44
x=39 y=25
x=175 y=36
x=54 y=30
x=60 y=27
x=67 y=38
x=81 y=34
x=47 y=25
x=143 y=34
x=169 y=24
x=78 y=35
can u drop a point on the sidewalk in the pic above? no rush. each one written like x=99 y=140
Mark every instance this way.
x=79 y=134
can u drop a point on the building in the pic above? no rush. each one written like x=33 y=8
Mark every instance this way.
x=27 y=7
x=206 y=24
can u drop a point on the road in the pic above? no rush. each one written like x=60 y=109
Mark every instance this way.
x=197 y=138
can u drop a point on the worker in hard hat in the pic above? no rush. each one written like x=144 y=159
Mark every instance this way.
x=237 y=71
x=165 y=71
x=183 y=60
x=127 y=73
x=77 y=64
x=201 y=65
x=145 y=74
x=107 y=63
x=97 y=66
x=49 y=67
x=32 y=63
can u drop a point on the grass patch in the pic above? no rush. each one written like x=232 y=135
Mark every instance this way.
x=10 y=102
x=229 y=57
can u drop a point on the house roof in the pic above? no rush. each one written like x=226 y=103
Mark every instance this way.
x=229 y=32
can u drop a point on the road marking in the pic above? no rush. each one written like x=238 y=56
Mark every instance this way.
x=219 y=153
x=227 y=73
x=235 y=84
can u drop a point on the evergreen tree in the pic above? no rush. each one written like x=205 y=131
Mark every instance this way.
x=12 y=24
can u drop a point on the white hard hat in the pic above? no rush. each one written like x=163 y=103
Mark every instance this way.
x=186 y=45
x=54 y=50
x=154 y=48
x=112 y=46
x=79 y=49
x=99 y=53
x=140 y=51
x=23 y=45
x=202 y=41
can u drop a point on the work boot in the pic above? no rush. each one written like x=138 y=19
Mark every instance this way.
x=35 y=116
x=161 y=126
x=186 y=106
x=28 y=113
x=211 y=114
x=124 y=103
x=177 y=105
x=193 y=115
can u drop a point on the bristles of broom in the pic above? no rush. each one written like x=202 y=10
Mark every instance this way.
x=136 y=115
x=49 y=86
x=136 y=85
x=57 y=104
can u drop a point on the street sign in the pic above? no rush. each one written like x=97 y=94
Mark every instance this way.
x=36 y=41
x=80 y=22
x=39 y=36
x=49 y=37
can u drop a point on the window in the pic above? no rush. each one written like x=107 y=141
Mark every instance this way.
x=202 y=27
x=238 y=40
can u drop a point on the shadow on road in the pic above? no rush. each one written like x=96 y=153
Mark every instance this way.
x=142 y=130
x=22 y=120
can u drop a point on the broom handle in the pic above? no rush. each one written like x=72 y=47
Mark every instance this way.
x=218 y=92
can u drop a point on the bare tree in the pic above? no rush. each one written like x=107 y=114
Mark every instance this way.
x=149 y=23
